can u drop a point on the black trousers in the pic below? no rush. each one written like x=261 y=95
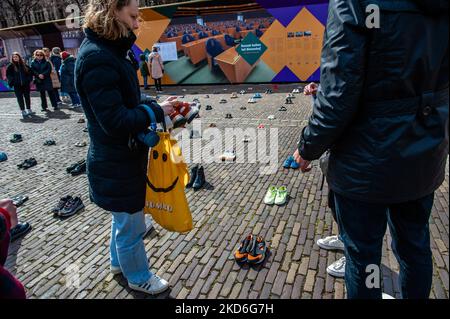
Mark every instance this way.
x=158 y=84
x=22 y=93
x=362 y=227
x=56 y=94
x=51 y=95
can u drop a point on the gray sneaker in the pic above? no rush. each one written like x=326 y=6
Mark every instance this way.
x=337 y=269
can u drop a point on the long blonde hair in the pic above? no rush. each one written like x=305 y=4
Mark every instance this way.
x=101 y=18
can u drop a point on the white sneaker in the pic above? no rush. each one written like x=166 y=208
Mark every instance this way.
x=386 y=296
x=115 y=270
x=330 y=243
x=271 y=195
x=154 y=286
x=337 y=269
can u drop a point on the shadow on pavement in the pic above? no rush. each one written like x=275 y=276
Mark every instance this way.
x=35 y=119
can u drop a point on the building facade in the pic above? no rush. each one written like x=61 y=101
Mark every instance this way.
x=37 y=11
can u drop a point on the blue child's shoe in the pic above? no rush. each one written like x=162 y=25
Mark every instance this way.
x=288 y=162
x=294 y=164
x=3 y=157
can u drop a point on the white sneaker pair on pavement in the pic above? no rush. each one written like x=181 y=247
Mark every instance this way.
x=155 y=285
x=336 y=269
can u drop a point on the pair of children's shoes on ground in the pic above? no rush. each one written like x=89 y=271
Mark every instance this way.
x=16 y=138
x=276 y=195
x=28 y=163
x=291 y=163
x=253 y=250
x=197 y=178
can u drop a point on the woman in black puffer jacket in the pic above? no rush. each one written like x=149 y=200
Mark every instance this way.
x=41 y=69
x=106 y=81
x=19 y=77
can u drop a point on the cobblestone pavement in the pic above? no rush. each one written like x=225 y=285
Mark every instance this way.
x=198 y=264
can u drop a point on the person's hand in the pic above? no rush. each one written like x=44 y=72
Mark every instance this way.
x=305 y=165
x=8 y=205
x=311 y=89
x=41 y=76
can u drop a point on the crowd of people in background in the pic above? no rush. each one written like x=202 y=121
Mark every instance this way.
x=52 y=73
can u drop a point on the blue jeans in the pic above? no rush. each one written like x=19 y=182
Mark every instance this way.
x=362 y=227
x=127 y=248
x=74 y=97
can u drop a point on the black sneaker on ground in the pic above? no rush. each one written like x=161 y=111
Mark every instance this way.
x=79 y=169
x=62 y=202
x=49 y=143
x=73 y=166
x=200 y=179
x=16 y=138
x=20 y=230
x=29 y=163
x=72 y=206
x=19 y=200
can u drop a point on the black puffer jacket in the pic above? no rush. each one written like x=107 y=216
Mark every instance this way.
x=18 y=75
x=45 y=68
x=382 y=107
x=107 y=83
x=67 y=75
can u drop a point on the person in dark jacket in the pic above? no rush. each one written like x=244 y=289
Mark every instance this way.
x=67 y=76
x=19 y=77
x=54 y=56
x=145 y=72
x=10 y=287
x=382 y=110
x=106 y=81
x=41 y=69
